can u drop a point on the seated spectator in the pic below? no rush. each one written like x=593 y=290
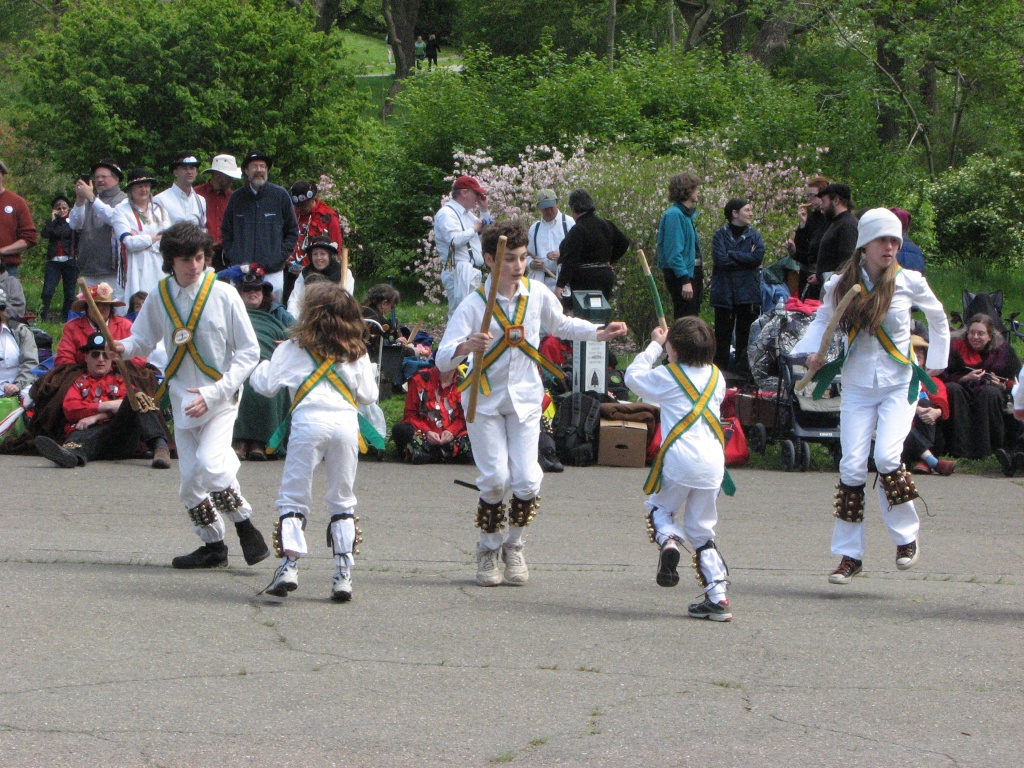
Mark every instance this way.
x=18 y=354
x=433 y=427
x=11 y=286
x=910 y=255
x=258 y=416
x=380 y=302
x=100 y=421
x=60 y=268
x=323 y=261
x=931 y=409
x=981 y=370
x=78 y=331
x=135 y=304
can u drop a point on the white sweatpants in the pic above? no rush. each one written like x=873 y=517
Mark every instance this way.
x=885 y=413
x=700 y=514
x=333 y=437
x=459 y=282
x=207 y=463
x=505 y=453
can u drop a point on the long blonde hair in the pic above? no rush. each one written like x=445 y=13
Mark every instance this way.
x=331 y=324
x=867 y=311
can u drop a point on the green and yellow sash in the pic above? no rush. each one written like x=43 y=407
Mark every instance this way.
x=513 y=337
x=324 y=370
x=700 y=410
x=184 y=336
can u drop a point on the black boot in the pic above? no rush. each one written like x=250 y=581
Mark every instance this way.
x=55 y=452
x=213 y=555
x=254 y=548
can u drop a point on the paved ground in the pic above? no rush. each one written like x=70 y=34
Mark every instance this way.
x=112 y=658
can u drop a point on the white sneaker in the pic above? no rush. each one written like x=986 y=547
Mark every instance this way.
x=341 y=587
x=516 y=571
x=487 y=573
x=286 y=579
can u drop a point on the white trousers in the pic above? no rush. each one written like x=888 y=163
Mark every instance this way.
x=207 y=463
x=505 y=453
x=885 y=413
x=317 y=435
x=700 y=514
x=459 y=282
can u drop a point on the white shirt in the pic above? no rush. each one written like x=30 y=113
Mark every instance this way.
x=182 y=207
x=514 y=373
x=291 y=365
x=867 y=363
x=454 y=230
x=225 y=340
x=543 y=238
x=10 y=356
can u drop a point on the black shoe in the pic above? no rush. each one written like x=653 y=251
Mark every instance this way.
x=1006 y=462
x=668 y=576
x=207 y=556
x=709 y=610
x=58 y=454
x=549 y=462
x=906 y=555
x=254 y=548
x=1018 y=461
x=848 y=568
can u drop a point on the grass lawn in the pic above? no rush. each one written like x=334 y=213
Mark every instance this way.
x=370 y=54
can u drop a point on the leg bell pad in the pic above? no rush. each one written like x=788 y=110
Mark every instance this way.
x=898 y=486
x=226 y=501
x=490 y=518
x=704 y=576
x=521 y=513
x=203 y=514
x=849 y=505
x=278 y=544
x=348 y=537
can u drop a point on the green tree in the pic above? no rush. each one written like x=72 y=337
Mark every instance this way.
x=141 y=81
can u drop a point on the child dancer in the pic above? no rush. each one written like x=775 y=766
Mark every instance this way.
x=326 y=369
x=881 y=381
x=506 y=429
x=690 y=465
x=203 y=324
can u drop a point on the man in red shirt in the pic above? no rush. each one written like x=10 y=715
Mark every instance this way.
x=224 y=171
x=17 y=232
x=101 y=422
x=315 y=218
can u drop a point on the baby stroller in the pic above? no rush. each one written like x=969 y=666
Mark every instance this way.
x=810 y=420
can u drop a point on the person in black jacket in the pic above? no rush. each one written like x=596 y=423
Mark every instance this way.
x=803 y=246
x=589 y=249
x=840 y=239
x=259 y=222
x=60 y=263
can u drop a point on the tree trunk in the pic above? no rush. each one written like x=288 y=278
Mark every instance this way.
x=400 y=17
x=888 y=128
x=772 y=40
x=610 y=38
x=734 y=28
x=326 y=14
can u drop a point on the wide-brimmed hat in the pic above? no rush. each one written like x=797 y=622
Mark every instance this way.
x=253 y=278
x=110 y=165
x=321 y=241
x=918 y=342
x=302 y=192
x=139 y=176
x=468 y=182
x=225 y=164
x=257 y=154
x=95 y=341
x=101 y=293
x=184 y=158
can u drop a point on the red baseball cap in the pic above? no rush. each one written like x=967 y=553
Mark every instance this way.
x=468 y=182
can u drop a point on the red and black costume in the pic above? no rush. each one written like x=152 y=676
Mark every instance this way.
x=432 y=407
x=78 y=331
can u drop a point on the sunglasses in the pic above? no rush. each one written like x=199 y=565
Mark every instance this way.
x=98 y=353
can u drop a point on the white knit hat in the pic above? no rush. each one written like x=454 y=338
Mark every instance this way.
x=876 y=223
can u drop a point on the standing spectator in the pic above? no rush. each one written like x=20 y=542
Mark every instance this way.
x=420 y=50
x=589 y=249
x=17 y=232
x=679 y=254
x=179 y=200
x=910 y=256
x=217 y=191
x=60 y=267
x=433 y=48
x=737 y=250
x=544 y=238
x=92 y=217
x=18 y=354
x=315 y=218
x=840 y=239
x=11 y=286
x=139 y=222
x=803 y=246
x=259 y=223
x=457 y=238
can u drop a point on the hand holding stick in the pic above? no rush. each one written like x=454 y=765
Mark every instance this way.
x=654 y=289
x=830 y=329
x=485 y=326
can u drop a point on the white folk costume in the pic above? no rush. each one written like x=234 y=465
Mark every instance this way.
x=213 y=348
x=458 y=242
x=543 y=237
x=506 y=429
x=140 y=254
x=324 y=427
x=182 y=207
x=690 y=466
x=880 y=383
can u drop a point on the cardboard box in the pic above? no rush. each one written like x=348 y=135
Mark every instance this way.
x=622 y=444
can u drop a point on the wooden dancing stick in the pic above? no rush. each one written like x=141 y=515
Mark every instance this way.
x=344 y=267
x=830 y=329
x=654 y=289
x=412 y=334
x=139 y=400
x=485 y=326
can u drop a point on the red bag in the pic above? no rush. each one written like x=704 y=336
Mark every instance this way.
x=736 y=451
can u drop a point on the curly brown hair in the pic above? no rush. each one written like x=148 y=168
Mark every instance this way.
x=681 y=186
x=693 y=341
x=331 y=323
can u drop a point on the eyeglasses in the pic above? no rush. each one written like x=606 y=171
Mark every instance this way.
x=98 y=353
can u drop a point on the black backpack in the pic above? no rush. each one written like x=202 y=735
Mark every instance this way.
x=576 y=422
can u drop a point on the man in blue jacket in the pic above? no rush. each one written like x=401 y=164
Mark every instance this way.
x=259 y=222
x=679 y=246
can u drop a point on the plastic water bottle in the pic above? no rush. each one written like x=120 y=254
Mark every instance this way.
x=780 y=306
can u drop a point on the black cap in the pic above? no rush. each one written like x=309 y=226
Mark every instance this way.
x=96 y=341
x=111 y=165
x=838 y=191
x=139 y=176
x=257 y=154
x=303 y=191
x=184 y=158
